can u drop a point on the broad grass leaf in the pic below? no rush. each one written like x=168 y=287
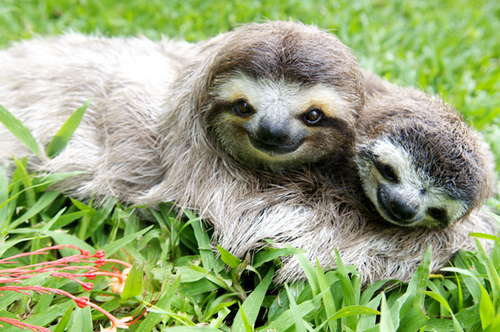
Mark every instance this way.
x=494 y=326
x=63 y=322
x=111 y=248
x=414 y=319
x=206 y=253
x=484 y=236
x=62 y=238
x=253 y=303
x=191 y=329
x=197 y=287
x=270 y=254
x=228 y=258
x=62 y=137
x=81 y=320
x=493 y=276
x=351 y=297
x=246 y=324
x=47 y=316
x=310 y=273
x=486 y=309
x=221 y=316
x=189 y=274
x=328 y=302
x=385 y=317
x=18 y=129
x=45 y=200
x=134 y=282
x=354 y=310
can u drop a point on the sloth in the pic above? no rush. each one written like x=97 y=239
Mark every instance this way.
x=173 y=121
x=418 y=161
x=415 y=163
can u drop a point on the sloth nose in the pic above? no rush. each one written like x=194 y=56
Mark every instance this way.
x=272 y=133
x=401 y=210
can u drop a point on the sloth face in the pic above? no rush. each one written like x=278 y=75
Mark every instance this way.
x=279 y=95
x=277 y=123
x=402 y=192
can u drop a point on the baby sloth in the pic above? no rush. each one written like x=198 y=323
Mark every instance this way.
x=419 y=162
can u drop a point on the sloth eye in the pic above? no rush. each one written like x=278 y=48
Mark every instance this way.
x=388 y=172
x=313 y=116
x=243 y=109
x=437 y=213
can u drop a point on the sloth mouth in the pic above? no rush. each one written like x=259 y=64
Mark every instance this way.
x=275 y=149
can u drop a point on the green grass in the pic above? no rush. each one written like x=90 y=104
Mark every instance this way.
x=450 y=48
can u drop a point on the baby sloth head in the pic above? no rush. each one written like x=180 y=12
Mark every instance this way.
x=281 y=94
x=419 y=162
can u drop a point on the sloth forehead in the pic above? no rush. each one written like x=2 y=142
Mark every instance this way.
x=263 y=93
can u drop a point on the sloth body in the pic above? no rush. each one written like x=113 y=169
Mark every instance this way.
x=43 y=81
x=224 y=127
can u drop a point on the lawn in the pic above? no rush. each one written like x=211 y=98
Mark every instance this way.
x=449 y=48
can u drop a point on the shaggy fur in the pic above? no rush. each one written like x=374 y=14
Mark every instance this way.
x=146 y=138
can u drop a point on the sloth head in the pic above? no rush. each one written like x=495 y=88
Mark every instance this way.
x=280 y=94
x=419 y=162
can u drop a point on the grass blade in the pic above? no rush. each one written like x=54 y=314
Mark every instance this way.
x=385 y=317
x=18 y=129
x=328 y=302
x=59 y=141
x=270 y=254
x=228 y=258
x=486 y=309
x=206 y=253
x=133 y=284
x=297 y=316
x=252 y=304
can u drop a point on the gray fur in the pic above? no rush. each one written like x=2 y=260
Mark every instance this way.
x=144 y=140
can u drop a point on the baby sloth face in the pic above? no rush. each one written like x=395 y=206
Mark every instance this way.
x=420 y=164
x=405 y=193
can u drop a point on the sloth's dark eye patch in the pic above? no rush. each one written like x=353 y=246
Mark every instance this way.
x=243 y=109
x=313 y=116
x=437 y=213
x=387 y=171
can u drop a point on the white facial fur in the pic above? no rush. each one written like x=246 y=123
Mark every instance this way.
x=406 y=185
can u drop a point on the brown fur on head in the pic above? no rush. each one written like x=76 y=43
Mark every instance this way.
x=419 y=162
x=274 y=95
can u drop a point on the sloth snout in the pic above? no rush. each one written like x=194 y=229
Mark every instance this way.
x=273 y=133
x=396 y=207
x=401 y=210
